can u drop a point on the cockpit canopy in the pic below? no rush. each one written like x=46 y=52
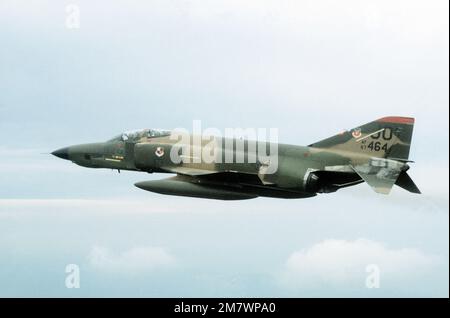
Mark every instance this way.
x=141 y=135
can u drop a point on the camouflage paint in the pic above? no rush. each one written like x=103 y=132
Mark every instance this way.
x=376 y=153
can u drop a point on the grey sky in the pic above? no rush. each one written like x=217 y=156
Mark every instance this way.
x=308 y=68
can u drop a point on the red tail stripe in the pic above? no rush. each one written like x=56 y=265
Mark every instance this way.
x=397 y=120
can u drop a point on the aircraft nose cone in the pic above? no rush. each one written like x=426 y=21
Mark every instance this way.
x=62 y=153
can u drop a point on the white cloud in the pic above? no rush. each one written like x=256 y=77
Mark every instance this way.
x=147 y=203
x=341 y=265
x=157 y=204
x=137 y=259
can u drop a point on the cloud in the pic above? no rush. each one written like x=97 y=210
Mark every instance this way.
x=79 y=206
x=340 y=265
x=147 y=203
x=137 y=259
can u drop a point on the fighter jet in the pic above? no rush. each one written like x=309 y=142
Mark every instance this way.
x=376 y=153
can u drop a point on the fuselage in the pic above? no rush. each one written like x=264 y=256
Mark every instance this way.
x=235 y=168
x=299 y=171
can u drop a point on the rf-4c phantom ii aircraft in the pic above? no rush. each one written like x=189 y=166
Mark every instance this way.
x=376 y=153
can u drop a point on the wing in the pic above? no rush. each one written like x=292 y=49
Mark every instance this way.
x=231 y=175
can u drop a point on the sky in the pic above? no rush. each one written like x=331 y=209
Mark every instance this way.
x=308 y=68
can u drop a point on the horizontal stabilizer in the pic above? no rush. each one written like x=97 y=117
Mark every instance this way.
x=381 y=174
x=404 y=181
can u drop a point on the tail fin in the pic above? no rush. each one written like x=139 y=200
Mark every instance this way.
x=386 y=142
x=387 y=137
